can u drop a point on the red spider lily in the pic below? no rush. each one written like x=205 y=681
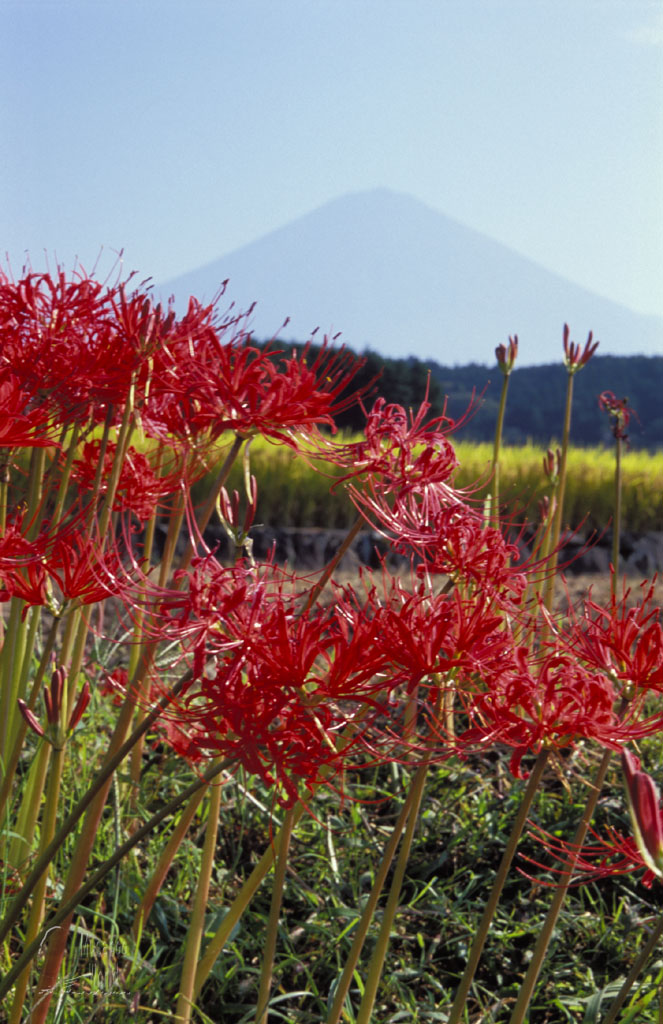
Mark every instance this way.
x=402 y=452
x=217 y=386
x=182 y=391
x=574 y=357
x=84 y=570
x=21 y=425
x=619 y=411
x=302 y=393
x=450 y=539
x=612 y=853
x=552 y=704
x=196 y=614
x=139 y=488
x=426 y=634
x=22 y=572
x=644 y=801
x=58 y=336
x=279 y=688
x=114 y=686
x=625 y=643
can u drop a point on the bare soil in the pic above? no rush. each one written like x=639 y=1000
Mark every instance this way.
x=578 y=587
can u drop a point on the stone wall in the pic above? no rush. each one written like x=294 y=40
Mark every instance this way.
x=310 y=549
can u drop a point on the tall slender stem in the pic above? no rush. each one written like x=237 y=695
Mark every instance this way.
x=238 y=906
x=361 y=930
x=380 y=951
x=545 y=935
x=617 y=524
x=269 y=949
x=636 y=970
x=496 y=891
x=165 y=860
x=197 y=922
x=67 y=909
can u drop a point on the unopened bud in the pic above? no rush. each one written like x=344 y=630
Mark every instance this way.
x=30 y=717
x=506 y=357
x=80 y=706
x=551 y=464
x=53 y=696
x=574 y=357
x=646 y=814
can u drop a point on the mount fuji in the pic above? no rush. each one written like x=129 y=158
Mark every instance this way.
x=393 y=275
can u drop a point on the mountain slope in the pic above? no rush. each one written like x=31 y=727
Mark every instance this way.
x=396 y=276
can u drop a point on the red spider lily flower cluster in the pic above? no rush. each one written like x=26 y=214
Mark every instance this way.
x=140 y=488
x=291 y=696
x=624 y=642
x=289 y=692
x=67 y=555
x=553 y=703
x=282 y=693
x=619 y=411
x=74 y=349
x=612 y=853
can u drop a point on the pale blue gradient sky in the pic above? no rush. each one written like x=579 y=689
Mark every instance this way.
x=181 y=130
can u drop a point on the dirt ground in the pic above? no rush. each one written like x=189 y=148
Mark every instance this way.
x=579 y=585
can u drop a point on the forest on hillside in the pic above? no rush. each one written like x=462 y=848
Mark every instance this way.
x=535 y=405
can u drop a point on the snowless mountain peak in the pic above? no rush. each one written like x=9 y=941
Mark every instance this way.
x=396 y=276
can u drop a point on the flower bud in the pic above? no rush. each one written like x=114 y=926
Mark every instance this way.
x=574 y=358
x=646 y=813
x=30 y=717
x=80 y=706
x=506 y=357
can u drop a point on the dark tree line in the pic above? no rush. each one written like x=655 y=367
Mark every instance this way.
x=535 y=406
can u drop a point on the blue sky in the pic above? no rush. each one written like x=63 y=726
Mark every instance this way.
x=179 y=130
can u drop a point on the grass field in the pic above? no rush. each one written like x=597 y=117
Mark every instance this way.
x=290 y=495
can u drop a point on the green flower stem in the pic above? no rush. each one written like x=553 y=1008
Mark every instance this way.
x=541 y=948
x=496 y=891
x=205 y=514
x=20 y=844
x=635 y=972
x=165 y=862
x=238 y=906
x=124 y=440
x=62 y=484
x=136 y=761
x=495 y=503
x=194 y=935
x=68 y=908
x=22 y=726
x=617 y=523
x=113 y=759
x=11 y=662
x=38 y=898
x=380 y=952
x=561 y=489
x=368 y=912
x=35 y=510
x=58 y=938
x=269 y=949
